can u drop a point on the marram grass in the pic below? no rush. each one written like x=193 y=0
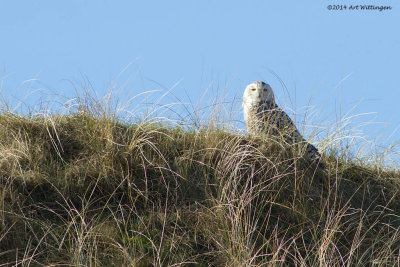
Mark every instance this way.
x=86 y=190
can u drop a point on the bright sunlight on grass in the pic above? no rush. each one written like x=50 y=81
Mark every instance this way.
x=87 y=189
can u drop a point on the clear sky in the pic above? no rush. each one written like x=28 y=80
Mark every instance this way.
x=198 y=42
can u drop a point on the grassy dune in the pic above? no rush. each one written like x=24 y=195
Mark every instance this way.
x=87 y=190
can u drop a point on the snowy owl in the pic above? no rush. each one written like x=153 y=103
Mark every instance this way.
x=264 y=117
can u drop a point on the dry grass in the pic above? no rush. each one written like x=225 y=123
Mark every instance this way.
x=84 y=189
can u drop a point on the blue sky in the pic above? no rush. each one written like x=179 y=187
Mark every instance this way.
x=224 y=43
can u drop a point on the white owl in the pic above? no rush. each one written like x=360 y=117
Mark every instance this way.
x=263 y=117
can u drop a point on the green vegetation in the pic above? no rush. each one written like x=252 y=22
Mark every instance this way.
x=84 y=189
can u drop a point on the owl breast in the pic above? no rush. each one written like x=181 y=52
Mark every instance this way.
x=255 y=120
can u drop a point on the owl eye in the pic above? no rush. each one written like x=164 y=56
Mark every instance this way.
x=265 y=90
x=253 y=89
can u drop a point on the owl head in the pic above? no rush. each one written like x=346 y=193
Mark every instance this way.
x=258 y=92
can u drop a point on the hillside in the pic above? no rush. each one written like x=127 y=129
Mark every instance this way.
x=86 y=190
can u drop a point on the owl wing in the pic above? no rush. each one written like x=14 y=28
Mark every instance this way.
x=278 y=119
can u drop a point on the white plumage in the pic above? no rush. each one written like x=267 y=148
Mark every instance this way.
x=263 y=117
